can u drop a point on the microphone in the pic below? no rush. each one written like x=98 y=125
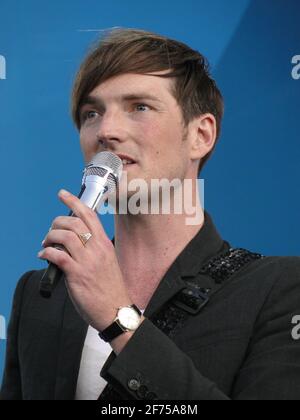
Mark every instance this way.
x=100 y=179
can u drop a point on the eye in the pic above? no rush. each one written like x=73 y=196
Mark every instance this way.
x=142 y=107
x=88 y=115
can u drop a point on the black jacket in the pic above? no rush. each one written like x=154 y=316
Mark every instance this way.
x=240 y=346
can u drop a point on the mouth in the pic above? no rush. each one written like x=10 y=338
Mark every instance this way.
x=127 y=161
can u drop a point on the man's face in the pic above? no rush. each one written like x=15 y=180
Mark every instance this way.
x=136 y=115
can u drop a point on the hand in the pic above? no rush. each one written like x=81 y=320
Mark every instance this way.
x=93 y=276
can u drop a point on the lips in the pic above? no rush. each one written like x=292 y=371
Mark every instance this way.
x=126 y=160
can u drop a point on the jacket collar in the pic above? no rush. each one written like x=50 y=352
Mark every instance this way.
x=206 y=244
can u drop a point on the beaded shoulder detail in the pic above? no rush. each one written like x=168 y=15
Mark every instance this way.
x=191 y=300
x=223 y=266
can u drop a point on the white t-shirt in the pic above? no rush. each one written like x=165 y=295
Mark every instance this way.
x=95 y=352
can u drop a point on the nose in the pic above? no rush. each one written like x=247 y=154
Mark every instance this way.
x=111 y=129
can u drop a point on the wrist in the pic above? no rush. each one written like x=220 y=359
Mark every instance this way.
x=127 y=319
x=119 y=343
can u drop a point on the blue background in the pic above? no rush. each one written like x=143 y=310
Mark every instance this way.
x=252 y=181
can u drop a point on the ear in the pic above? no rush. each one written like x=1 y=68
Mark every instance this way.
x=203 y=136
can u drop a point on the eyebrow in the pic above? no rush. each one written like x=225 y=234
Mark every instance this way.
x=94 y=100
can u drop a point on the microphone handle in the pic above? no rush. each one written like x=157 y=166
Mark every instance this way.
x=50 y=280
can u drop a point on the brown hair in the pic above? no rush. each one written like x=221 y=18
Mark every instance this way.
x=134 y=51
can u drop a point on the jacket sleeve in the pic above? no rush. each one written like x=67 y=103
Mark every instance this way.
x=151 y=366
x=11 y=386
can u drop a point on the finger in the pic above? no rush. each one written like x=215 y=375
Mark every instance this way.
x=68 y=239
x=59 y=258
x=87 y=215
x=73 y=224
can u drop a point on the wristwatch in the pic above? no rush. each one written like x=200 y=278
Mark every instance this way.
x=128 y=319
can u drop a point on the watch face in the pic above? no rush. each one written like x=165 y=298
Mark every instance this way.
x=129 y=318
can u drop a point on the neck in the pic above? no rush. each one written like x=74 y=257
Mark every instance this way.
x=147 y=246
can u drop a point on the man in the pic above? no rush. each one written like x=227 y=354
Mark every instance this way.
x=217 y=323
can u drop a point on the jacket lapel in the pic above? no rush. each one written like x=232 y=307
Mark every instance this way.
x=206 y=244
x=73 y=334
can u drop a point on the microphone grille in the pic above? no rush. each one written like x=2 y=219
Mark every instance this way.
x=109 y=161
x=94 y=170
x=103 y=163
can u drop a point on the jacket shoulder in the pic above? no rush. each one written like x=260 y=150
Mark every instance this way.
x=276 y=268
x=29 y=281
x=286 y=273
x=277 y=279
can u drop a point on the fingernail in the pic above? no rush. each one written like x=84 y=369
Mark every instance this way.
x=63 y=193
x=43 y=242
x=40 y=254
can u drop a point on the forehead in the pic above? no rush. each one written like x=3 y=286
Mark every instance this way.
x=136 y=84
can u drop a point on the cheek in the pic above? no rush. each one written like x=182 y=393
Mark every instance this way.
x=88 y=146
x=165 y=140
x=157 y=136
